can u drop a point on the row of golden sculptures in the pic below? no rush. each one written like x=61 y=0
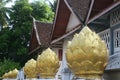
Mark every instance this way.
x=86 y=55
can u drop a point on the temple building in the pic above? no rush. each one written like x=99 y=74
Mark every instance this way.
x=102 y=16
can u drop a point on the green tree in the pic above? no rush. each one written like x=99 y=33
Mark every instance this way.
x=3 y=13
x=7 y=65
x=5 y=34
x=53 y=5
x=14 y=40
x=41 y=11
x=21 y=24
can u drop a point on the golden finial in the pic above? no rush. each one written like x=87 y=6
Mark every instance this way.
x=29 y=68
x=87 y=54
x=47 y=64
x=14 y=73
x=4 y=76
x=11 y=74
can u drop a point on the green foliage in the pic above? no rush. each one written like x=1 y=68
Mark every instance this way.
x=53 y=5
x=7 y=65
x=20 y=32
x=41 y=11
x=14 y=40
x=3 y=13
x=4 y=40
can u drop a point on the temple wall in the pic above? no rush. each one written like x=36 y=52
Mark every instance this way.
x=66 y=73
x=58 y=75
x=73 y=22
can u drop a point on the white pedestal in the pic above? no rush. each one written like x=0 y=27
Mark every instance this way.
x=46 y=79
x=65 y=76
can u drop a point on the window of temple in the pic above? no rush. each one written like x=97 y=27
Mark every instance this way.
x=105 y=35
x=117 y=41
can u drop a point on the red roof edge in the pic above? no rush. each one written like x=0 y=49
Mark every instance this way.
x=58 y=2
x=34 y=50
x=36 y=32
x=32 y=35
x=67 y=34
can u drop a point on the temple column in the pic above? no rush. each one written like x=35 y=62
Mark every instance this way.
x=66 y=73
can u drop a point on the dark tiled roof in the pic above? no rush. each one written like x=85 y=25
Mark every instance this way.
x=43 y=32
x=80 y=7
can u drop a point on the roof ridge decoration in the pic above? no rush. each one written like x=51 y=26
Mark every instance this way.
x=36 y=31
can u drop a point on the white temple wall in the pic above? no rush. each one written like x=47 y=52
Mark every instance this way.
x=66 y=73
x=58 y=75
x=73 y=22
x=64 y=65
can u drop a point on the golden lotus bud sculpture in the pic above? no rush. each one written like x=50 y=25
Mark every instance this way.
x=29 y=69
x=8 y=75
x=11 y=74
x=14 y=73
x=87 y=54
x=4 y=76
x=47 y=64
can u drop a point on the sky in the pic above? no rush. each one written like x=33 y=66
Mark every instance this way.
x=12 y=3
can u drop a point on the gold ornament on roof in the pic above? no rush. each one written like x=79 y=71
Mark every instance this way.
x=87 y=54
x=47 y=64
x=29 y=69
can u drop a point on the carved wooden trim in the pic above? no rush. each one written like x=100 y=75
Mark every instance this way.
x=115 y=17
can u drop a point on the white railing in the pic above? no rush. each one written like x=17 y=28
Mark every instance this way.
x=114 y=62
x=105 y=35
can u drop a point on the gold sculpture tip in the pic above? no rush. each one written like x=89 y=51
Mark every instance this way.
x=87 y=54
x=29 y=68
x=47 y=64
x=11 y=74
